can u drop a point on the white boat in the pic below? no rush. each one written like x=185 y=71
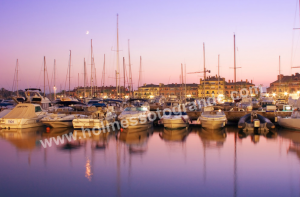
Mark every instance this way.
x=156 y=102
x=25 y=115
x=293 y=121
x=245 y=104
x=103 y=118
x=133 y=118
x=33 y=96
x=59 y=120
x=211 y=119
x=175 y=120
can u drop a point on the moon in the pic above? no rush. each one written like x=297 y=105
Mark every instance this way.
x=87 y=32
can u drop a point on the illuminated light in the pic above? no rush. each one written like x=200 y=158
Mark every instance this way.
x=267 y=94
x=274 y=94
x=288 y=108
x=220 y=110
x=126 y=96
x=105 y=97
x=298 y=92
x=285 y=93
x=189 y=96
x=151 y=96
x=88 y=171
x=87 y=32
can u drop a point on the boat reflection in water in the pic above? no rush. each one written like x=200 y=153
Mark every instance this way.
x=23 y=139
x=136 y=140
x=212 y=137
x=256 y=134
x=174 y=135
x=294 y=137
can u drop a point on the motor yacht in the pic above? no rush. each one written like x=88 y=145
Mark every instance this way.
x=24 y=115
x=212 y=119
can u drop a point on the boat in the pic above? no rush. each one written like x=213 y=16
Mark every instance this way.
x=293 y=121
x=156 y=103
x=136 y=116
x=175 y=120
x=33 y=96
x=245 y=104
x=212 y=119
x=103 y=118
x=136 y=141
x=59 y=120
x=213 y=138
x=24 y=115
x=253 y=121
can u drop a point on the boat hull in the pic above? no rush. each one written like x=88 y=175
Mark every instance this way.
x=175 y=123
x=21 y=124
x=58 y=124
x=212 y=124
x=92 y=123
x=291 y=123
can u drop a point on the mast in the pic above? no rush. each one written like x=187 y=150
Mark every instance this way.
x=140 y=77
x=103 y=76
x=70 y=74
x=204 y=69
x=118 y=71
x=54 y=79
x=218 y=73
x=130 y=73
x=185 y=79
x=44 y=76
x=279 y=76
x=181 y=79
x=78 y=86
x=96 y=89
x=84 y=76
x=17 y=78
x=124 y=68
x=116 y=84
x=234 y=62
x=91 y=68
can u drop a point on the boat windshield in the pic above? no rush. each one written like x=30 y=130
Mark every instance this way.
x=167 y=113
x=136 y=109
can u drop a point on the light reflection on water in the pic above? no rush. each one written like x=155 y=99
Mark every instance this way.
x=155 y=162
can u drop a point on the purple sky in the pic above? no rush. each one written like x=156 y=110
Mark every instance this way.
x=164 y=33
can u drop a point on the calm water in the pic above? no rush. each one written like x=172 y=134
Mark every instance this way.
x=151 y=163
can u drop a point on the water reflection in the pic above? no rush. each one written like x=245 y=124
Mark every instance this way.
x=223 y=162
x=136 y=140
x=174 y=135
x=212 y=138
x=256 y=135
x=23 y=139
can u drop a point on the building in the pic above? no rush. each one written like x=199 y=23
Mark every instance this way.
x=284 y=85
x=214 y=86
x=149 y=90
x=230 y=87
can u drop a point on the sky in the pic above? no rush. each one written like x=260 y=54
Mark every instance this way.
x=165 y=34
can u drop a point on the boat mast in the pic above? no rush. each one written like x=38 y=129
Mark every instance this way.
x=70 y=74
x=17 y=78
x=91 y=68
x=54 y=79
x=130 y=73
x=84 y=76
x=204 y=69
x=218 y=73
x=279 y=75
x=78 y=86
x=185 y=79
x=181 y=79
x=116 y=84
x=140 y=77
x=124 y=68
x=103 y=76
x=44 y=76
x=118 y=72
x=234 y=61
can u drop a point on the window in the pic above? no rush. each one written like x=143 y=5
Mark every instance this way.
x=38 y=109
x=231 y=86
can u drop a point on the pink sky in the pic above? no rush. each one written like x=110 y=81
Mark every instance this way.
x=164 y=33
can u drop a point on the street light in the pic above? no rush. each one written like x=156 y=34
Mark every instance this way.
x=274 y=94
x=285 y=93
